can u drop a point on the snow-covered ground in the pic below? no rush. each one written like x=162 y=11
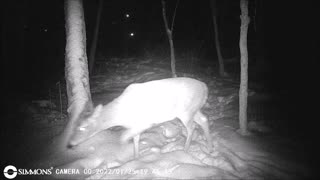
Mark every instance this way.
x=263 y=154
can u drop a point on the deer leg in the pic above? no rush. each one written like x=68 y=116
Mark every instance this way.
x=190 y=128
x=127 y=135
x=202 y=120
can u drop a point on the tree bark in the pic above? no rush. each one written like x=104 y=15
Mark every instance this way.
x=169 y=34
x=243 y=92
x=216 y=37
x=93 y=47
x=76 y=66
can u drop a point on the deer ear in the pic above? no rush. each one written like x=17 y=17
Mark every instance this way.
x=97 y=111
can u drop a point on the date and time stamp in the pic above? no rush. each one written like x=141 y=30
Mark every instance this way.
x=117 y=171
x=113 y=171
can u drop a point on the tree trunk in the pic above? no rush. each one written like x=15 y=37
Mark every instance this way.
x=216 y=37
x=76 y=66
x=169 y=34
x=243 y=92
x=93 y=47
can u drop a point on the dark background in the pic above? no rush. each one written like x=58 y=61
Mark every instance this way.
x=33 y=43
x=33 y=35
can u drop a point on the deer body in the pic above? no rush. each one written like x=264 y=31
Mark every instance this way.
x=143 y=105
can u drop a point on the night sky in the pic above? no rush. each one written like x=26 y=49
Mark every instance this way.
x=33 y=37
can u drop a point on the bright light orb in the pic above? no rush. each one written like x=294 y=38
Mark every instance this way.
x=127 y=15
x=131 y=34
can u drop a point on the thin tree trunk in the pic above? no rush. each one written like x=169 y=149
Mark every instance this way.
x=169 y=34
x=76 y=67
x=93 y=47
x=243 y=92
x=259 y=21
x=216 y=37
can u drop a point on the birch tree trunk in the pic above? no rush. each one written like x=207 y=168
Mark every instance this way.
x=243 y=92
x=76 y=66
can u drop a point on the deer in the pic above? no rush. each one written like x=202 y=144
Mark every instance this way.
x=144 y=105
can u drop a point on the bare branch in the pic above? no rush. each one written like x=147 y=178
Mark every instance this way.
x=174 y=15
